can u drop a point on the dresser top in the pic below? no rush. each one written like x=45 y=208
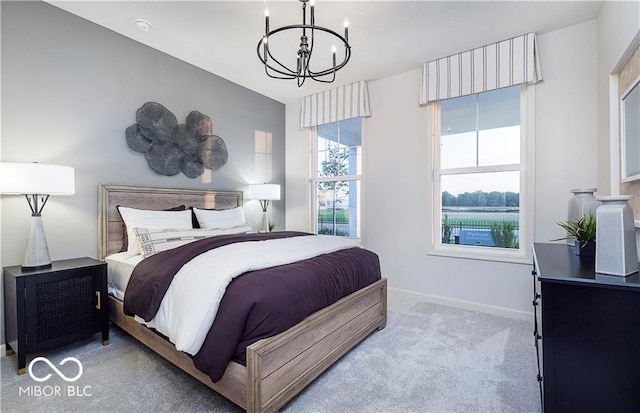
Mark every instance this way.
x=559 y=263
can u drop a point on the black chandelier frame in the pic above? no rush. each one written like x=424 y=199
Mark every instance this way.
x=303 y=69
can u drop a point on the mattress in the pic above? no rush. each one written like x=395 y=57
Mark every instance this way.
x=119 y=269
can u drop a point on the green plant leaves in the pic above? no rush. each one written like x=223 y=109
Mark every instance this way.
x=583 y=230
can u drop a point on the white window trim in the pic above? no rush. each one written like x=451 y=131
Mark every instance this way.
x=527 y=176
x=313 y=181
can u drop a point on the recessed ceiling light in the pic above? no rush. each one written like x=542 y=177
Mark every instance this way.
x=143 y=25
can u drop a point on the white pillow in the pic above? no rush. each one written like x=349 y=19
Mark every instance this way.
x=143 y=218
x=153 y=241
x=223 y=218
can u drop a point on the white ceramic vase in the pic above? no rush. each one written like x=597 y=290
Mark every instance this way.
x=582 y=203
x=616 y=252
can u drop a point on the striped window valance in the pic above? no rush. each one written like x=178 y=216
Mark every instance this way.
x=345 y=102
x=506 y=63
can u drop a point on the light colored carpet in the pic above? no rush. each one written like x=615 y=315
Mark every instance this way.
x=429 y=358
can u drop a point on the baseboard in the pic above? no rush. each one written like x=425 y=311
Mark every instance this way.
x=469 y=305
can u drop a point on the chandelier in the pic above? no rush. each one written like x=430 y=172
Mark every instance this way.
x=302 y=71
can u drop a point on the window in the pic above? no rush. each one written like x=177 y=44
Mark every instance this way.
x=335 y=184
x=481 y=175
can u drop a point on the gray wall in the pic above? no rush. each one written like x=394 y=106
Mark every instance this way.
x=69 y=90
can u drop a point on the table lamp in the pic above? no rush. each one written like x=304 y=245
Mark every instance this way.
x=264 y=193
x=36 y=182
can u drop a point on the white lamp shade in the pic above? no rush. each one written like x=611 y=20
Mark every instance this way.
x=36 y=178
x=270 y=192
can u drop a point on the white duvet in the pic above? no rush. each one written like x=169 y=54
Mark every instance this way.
x=188 y=308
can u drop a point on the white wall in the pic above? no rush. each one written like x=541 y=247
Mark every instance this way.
x=618 y=31
x=397 y=171
x=566 y=123
x=297 y=167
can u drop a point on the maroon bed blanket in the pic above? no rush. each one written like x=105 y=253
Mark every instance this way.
x=258 y=304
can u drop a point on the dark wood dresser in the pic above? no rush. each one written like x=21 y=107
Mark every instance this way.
x=588 y=341
x=49 y=307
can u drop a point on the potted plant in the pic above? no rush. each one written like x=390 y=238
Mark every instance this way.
x=584 y=232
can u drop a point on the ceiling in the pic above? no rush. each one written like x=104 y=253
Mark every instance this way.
x=386 y=37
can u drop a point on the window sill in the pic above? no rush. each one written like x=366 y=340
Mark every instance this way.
x=356 y=239
x=521 y=256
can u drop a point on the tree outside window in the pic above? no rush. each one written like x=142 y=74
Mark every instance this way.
x=336 y=182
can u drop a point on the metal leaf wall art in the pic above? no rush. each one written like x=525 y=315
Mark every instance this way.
x=171 y=148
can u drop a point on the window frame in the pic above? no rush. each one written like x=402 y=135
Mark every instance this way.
x=315 y=179
x=526 y=169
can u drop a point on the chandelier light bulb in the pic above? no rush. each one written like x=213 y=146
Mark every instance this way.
x=266 y=12
x=333 y=55
x=346 y=30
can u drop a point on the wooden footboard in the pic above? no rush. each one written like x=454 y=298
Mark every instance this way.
x=233 y=383
x=279 y=367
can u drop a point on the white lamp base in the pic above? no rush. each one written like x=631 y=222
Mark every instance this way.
x=265 y=224
x=37 y=253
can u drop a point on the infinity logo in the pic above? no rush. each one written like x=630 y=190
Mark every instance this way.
x=58 y=372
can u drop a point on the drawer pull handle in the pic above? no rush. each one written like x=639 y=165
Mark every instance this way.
x=98 y=307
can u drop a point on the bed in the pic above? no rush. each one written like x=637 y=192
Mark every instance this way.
x=277 y=368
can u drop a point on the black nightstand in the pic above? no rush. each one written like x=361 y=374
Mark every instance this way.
x=49 y=307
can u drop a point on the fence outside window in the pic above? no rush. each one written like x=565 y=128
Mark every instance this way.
x=329 y=227
x=479 y=233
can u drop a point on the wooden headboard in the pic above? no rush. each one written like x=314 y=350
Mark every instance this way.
x=110 y=225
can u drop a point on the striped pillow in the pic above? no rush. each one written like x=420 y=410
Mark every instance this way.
x=144 y=218
x=153 y=241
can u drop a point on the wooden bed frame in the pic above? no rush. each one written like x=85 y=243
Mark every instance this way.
x=279 y=367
